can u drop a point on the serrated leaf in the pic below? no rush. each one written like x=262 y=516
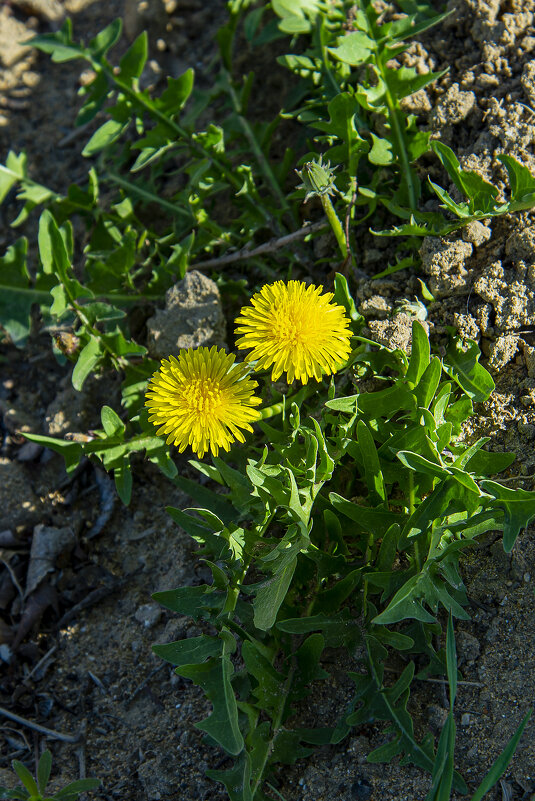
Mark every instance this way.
x=214 y=678
x=518 y=506
x=196 y=602
x=191 y=651
x=354 y=48
x=462 y=364
x=381 y=153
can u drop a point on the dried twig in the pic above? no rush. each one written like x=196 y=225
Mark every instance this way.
x=13 y=578
x=44 y=659
x=56 y=735
x=90 y=599
x=144 y=683
x=267 y=247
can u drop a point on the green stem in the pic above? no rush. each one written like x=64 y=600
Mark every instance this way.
x=278 y=408
x=276 y=727
x=395 y=117
x=412 y=507
x=335 y=224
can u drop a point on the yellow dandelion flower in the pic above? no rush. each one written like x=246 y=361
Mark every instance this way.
x=295 y=329
x=202 y=399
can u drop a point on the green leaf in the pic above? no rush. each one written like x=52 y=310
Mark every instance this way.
x=105 y=39
x=500 y=765
x=338 y=630
x=420 y=354
x=518 y=506
x=88 y=358
x=354 y=48
x=72 y=452
x=520 y=178
x=237 y=779
x=176 y=94
x=26 y=777
x=122 y=475
x=132 y=63
x=16 y=294
x=77 y=787
x=462 y=364
x=405 y=604
x=381 y=153
x=214 y=678
x=481 y=194
x=372 y=466
x=428 y=384
x=44 y=767
x=111 y=422
x=270 y=596
x=196 y=602
x=59 y=45
x=451 y=661
x=192 y=651
x=367 y=519
x=106 y=135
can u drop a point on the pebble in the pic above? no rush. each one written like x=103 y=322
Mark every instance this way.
x=148 y=615
x=465 y=719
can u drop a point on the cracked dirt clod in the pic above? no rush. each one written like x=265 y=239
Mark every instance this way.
x=192 y=317
x=394 y=333
x=444 y=261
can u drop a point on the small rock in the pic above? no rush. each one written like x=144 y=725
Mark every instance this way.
x=436 y=716
x=361 y=789
x=503 y=350
x=148 y=615
x=465 y=719
x=376 y=306
x=444 y=261
x=468 y=647
x=192 y=317
x=12 y=35
x=476 y=233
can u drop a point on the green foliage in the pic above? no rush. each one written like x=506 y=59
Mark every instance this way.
x=35 y=789
x=340 y=526
x=351 y=525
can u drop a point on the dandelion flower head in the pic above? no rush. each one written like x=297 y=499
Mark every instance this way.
x=202 y=399
x=295 y=329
